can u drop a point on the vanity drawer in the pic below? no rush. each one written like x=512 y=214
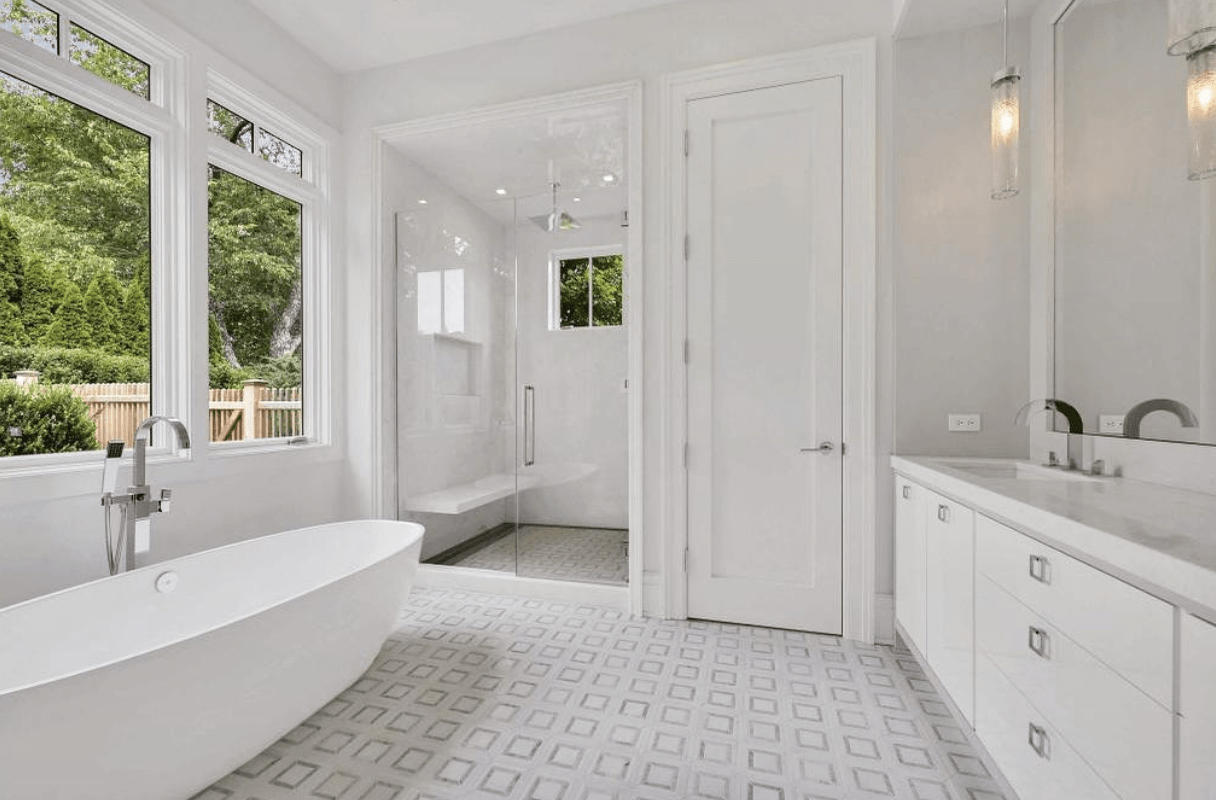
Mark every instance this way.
x=1197 y=707
x=1011 y=728
x=1128 y=630
x=1121 y=732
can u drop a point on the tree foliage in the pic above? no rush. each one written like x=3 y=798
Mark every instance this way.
x=592 y=291
x=75 y=235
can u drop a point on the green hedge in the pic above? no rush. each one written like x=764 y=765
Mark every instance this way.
x=43 y=419
x=63 y=365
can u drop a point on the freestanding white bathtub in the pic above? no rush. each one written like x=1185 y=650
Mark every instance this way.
x=117 y=689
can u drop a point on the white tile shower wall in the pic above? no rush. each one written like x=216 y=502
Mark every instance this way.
x=581 y=401
x=436 y=449
x=645 y=45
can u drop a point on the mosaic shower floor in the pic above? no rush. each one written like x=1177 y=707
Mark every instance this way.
x=597 y=555
x=479 y=696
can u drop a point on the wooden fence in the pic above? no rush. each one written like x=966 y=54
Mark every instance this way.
x=255 y=411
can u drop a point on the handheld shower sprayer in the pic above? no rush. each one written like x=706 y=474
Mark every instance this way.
x=109 y=474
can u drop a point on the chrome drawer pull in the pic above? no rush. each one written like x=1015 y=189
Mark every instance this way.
x=943 y=513
x=907 y=492
x=1037 y=641
x=1039 y=742
x=1039 y=569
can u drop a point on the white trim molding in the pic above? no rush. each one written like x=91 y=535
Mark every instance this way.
x=856 y=63
x=383 y=464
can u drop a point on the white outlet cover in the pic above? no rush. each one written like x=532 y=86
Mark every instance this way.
x=964 y=423
x=1110 y=424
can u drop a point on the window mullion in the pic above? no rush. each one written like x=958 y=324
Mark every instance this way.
x=64 y=36
x=590 y=295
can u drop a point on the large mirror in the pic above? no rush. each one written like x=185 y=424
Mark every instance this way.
x=1135 y=336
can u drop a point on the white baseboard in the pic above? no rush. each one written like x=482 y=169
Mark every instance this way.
x=480 y=580
x=884 y=619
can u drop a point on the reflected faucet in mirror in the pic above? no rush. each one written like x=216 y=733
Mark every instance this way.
x=1075 y=425
x=1133 y=418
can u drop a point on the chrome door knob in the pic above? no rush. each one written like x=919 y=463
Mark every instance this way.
x=824 y=449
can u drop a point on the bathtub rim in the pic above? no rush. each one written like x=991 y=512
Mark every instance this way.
x=416 y=529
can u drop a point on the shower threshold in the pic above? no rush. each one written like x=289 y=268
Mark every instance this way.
x=552 y=552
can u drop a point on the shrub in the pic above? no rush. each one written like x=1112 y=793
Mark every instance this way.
x=64 y=365
x=50 y=419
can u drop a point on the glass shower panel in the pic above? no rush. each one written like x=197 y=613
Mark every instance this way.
x=573 y=368
x=456 y=375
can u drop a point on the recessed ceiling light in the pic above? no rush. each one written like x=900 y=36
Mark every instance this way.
x=422 y=202
x=578 y=199
x=500 y=192
x=609 y=179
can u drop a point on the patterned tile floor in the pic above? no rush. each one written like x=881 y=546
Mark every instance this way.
x=478 y=696
x=596 y=555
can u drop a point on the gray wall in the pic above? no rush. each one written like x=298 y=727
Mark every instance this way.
x=960 y=258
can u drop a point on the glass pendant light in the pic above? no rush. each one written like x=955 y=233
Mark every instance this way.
x=1193 y=34
x=1006 y=123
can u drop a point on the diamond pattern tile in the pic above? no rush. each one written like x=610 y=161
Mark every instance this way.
x=481 y=697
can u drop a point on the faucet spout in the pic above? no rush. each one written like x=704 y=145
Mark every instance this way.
x=1133 y=418
x=139 y=472
x=1075 y=424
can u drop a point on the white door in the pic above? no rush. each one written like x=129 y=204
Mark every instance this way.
x=764 y=372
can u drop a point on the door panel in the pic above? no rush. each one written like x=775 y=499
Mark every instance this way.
x=764 y=328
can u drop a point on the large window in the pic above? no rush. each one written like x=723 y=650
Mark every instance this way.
x=97 y=276
x=255 y=303
x=75 y=274
x=588 y=289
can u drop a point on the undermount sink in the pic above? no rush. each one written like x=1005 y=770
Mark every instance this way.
x=1017 y=470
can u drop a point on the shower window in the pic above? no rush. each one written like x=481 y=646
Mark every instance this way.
x=587 y=289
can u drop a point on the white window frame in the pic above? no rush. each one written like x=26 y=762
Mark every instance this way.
x=162 y=120
x=311 y=190
x=555 y=280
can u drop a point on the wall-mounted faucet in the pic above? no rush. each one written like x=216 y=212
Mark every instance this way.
x=136 y=505
x=1133 y=418
x=1075 y=425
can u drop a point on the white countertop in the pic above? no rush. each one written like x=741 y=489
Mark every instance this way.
x=1158 y=538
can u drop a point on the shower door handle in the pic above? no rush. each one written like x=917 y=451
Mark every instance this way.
x=529 y=425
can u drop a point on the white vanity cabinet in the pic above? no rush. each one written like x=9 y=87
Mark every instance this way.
x=1068 y=674
x=1197 y=705
x=911 y=561
x=950 y=597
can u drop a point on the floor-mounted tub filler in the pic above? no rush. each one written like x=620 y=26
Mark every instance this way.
x=152 y=684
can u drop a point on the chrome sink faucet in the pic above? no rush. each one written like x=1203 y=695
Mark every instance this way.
x=137 y=505
x=1075 y=426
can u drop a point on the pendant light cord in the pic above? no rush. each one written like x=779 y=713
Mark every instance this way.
x=1005 y=32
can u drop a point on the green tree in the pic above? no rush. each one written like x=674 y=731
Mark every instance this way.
x=40 y=299
x=71 y=327
x=607 y=290
x=134 y=324
x=103 y=299
x=12 y=264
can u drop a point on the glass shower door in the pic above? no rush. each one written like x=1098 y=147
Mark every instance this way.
x=573 y=366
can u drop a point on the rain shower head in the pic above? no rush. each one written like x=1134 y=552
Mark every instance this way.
x=556 y=220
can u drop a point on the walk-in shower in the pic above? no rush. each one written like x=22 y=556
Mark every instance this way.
x=512 y=348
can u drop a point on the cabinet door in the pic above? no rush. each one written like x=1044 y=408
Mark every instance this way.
x=1197 y=704
x=950 y=596
x=910 y=563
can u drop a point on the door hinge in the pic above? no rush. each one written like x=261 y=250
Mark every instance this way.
x=686 y=559
x=687 y=246
x=843 y=448
x=685 y=455
x=687 y=358
x=687 y=144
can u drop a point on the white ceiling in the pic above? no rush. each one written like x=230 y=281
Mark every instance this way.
x=578 y=148
x=925 y=17
x=352 y=35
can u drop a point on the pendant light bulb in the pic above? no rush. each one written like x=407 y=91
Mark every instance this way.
x=1006 y=123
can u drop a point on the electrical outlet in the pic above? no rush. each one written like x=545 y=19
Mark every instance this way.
x=1111 y=424
x=967 y=423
